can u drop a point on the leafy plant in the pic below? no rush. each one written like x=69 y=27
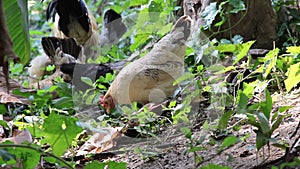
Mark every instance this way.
x=16 y=13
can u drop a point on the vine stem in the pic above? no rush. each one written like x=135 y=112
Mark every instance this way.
x=42 y=152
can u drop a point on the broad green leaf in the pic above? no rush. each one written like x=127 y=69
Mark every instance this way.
x=295 y=50
x=154 y=7
x=29 y=157
x=116 y=165
x=252 y=120
x=238 y=5
x=63 y=102
x=224 y=119
x=6 y=155
x=263 y=123
x=277 y=122
x=261 y=139
x=187 y=132
x=186 y=76
x=269 y=61
x=138 y=40
x=195 y=149
x=209 y=14
x=243 y=51
x=94 y=164
x=284 y=108
x=229 y=141
x=227 y=69
x=4 y=124
x=214 y=166
x=87 y=81
x=3 y=109
x=16 y=14
x=138 y=2
x=281 y=146
x=266 y=107
x=293 y=76
x=226 y=48
x=249 y=88
x=59 y=132
x=242 y=100
x=165 y=29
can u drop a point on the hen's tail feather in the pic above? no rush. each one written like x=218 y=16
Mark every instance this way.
x=67 y=45
x=51 y=10
x=66 y=9
x=113 y=23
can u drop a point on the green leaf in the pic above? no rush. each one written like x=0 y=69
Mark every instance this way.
x=63 y=102
x=244 y=48
x=226 y=48
x=195 y=149
x=165 y=29
x=209 y=14
x=270 y=61
x=116 y=165
x=59 y=132
x=249 y=88
x=3 y=109
x=295 y=50
x=242 y=100
x=187 y=132
x=266 y=107
x=29 y=157
x=154 y=8
x=263 y=123
x=138 y=40
x=293 y=76
x=16 y=14
x=6 y=156
x=277 y=122
x=261 y=139
x=284 y=108
x=184 y=77
x=87 y=81
x=95 y=164
x=214 y=166
x=229 y=141
x=225 y=119
x=238 y=5
x=252 y=120
x=4 y=124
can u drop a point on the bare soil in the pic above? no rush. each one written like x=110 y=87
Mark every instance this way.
x=171 y=151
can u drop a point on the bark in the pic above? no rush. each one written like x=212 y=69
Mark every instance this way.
x=258 y=22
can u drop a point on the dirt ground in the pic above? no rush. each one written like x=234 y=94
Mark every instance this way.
x=169 y=150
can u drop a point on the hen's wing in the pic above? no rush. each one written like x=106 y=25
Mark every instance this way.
x=151 y=78
x=66 y=45
x=92 y=71
x=77 y=71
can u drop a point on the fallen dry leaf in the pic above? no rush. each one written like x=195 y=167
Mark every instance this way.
x=100 y=142
x=12 y=83
x=19 y=137
x=10 y=98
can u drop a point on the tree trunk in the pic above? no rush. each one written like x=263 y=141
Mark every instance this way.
x=257 y=22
